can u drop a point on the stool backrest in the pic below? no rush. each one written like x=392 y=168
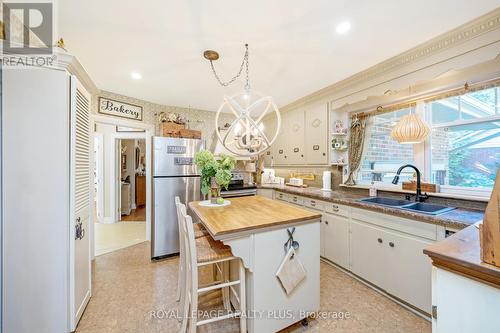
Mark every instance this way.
x=180 y=207
x=190 y=258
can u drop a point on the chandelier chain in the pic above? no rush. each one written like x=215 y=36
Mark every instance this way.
x=244 y=63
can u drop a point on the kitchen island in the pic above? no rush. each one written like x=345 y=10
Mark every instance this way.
x=256 y=230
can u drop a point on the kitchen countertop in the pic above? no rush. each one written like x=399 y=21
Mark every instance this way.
x=457 y=219
x=460 y=253
x=249 y=214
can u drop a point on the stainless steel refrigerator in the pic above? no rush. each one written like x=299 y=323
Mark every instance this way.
x=174 y=174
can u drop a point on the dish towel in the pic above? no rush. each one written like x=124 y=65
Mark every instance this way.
x=291 y=271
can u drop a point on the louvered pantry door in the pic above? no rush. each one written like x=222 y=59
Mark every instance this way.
x=81 y=185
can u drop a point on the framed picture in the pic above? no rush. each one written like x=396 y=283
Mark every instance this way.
x=119 y=109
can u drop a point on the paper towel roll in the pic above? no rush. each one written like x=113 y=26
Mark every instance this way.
x=327 y=181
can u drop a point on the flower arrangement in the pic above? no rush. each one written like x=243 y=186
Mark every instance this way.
x=171 y=117
x=214 y=171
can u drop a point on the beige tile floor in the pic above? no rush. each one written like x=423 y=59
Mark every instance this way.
x=127 y=286
x=110 y=237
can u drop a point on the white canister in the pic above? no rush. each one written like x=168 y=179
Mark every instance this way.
x=327 y=181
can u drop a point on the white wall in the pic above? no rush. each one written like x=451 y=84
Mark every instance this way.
x=108 y=146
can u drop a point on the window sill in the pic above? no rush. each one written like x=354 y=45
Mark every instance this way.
x=441 y=195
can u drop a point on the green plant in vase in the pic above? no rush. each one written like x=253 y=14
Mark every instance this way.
x=215 y=174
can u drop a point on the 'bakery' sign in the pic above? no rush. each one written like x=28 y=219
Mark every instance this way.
x=119 y=109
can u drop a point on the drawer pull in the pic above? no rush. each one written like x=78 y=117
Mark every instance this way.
x=316 y=147
x=380 y=240
x=391 y=244
x=295 y=150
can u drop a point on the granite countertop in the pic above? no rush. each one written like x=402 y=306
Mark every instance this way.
x=457 y=219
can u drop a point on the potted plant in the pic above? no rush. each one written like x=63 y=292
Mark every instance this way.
x=215 y=174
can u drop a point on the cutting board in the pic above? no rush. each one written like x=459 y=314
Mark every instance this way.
x=489 y=230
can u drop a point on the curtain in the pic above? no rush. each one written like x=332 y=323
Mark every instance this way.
x=356 y=143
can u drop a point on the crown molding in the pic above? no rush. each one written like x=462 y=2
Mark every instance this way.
x=60 y=59
x=466 y=32
x=71 y=64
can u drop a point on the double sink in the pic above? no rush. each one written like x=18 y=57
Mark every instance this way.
x=418 y=207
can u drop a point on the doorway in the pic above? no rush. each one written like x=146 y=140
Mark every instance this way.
x=121 y=169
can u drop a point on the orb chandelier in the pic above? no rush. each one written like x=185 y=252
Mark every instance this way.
x=246 y=135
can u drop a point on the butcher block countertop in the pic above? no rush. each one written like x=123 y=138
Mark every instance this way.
x=248 y=214
x=460 y=254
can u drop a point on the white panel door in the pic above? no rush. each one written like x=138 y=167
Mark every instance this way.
x=367 y=253
x=35 y=162
x=270 y=130
x=409 y=269
x=316 y=134
x=336 y=239
x=80 y=202
x=294 y=144
x=278 y=149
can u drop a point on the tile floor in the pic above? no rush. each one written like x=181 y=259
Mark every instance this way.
x=127 y=286
x=110 y=237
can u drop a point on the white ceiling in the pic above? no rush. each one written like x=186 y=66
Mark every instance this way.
x=294 y=49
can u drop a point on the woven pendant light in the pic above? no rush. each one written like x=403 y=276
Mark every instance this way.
x=410 y=130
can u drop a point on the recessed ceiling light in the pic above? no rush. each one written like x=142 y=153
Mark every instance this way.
x=136 y=76
x=343 y=27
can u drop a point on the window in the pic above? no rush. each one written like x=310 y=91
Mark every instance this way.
x=465 y=141
x=462 y=153
x=382 y=155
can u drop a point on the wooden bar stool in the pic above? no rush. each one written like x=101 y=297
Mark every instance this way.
x=221 y=269
x=200 y=252
x=199 y=231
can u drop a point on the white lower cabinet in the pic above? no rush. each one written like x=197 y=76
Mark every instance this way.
x=410 y=270
x=393 y=261
x=336 y=239
x=265 y=192
x=367 y=252
x=382 y=249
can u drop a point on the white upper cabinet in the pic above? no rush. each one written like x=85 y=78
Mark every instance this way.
x=303 y=139
x=316 y=134
x=294 y=137
x=269 y=130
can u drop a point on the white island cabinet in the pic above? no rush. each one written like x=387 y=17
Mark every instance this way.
x=465 y=290
x=256 y=230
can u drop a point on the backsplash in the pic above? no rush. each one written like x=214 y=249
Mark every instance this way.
x=337 y=180
x=201 y=120
x=316 y=171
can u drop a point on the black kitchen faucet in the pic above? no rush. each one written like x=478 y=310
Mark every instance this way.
x=419 y=197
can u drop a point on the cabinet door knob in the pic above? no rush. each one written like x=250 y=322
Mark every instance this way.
x=380 y=240
x=326 y=222
x=391 y=244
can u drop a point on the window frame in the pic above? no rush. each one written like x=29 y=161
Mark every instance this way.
x=451 y=189
x=422 y=152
